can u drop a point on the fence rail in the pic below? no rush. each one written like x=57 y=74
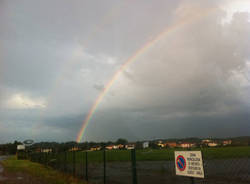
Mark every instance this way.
x=221 y=165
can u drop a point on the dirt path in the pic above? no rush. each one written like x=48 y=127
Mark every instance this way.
x=16 y=177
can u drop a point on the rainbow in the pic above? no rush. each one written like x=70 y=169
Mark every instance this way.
x=131 y=59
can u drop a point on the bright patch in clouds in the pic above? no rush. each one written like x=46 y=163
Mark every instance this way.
x=111 y=60
x=20 y=101
x=235 y=6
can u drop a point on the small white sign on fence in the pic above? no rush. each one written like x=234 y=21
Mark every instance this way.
x=189 y=163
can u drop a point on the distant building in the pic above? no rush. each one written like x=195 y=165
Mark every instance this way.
x=46 y=150
x=120 y=146
x=206 y=140
x=212 y=144
x=110 y=147
x=74 y=149
x=161 y=144
x=130 y=146
x=171 y=144
x=186 y=145
x=96 y=148
x=227 y=142
x=145 y=145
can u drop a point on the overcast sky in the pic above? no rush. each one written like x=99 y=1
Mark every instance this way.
x=57 y=56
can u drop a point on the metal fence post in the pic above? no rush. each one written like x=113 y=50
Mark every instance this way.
x=39 y=157
x=58 y=161
x=42 y=158
x=86 y=166
x=47 y=158
x=46 y=155
x=133 y=160
x=192 y=180
x=104 y=166
x=83 y=167
x=74 y=163
x=65 y=161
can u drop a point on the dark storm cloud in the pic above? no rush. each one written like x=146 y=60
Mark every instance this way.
x=147 y=125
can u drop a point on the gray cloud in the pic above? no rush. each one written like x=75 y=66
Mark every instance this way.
x=99 y=87
x=192 y=82
x=189 y=79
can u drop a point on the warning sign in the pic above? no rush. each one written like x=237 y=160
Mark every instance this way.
x=189 y=163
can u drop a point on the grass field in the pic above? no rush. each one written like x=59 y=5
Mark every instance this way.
x=160 y=154
x=46 y=174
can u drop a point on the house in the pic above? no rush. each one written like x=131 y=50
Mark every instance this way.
x=206 y=141
x=161 y=144
x=115 y=147
x=130 y=146
x=110 y=147
x=74 y=149
x=226 y=142
x=186 y=145
x=212 y=144
x=46 y=150
x=145 y=145
x=96 y=148
x=120 y=146
x=171 y=144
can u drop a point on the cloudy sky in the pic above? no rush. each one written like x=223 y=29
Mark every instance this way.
x=56 y=57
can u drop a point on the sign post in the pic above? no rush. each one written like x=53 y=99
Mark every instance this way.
x=189 y=163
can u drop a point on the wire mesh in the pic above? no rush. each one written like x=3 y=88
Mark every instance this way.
x=222 y=165
x=118 y=166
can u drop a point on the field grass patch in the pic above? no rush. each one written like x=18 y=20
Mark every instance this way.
x=46 y=174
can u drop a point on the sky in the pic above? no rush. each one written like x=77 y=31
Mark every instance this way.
x=56 y=58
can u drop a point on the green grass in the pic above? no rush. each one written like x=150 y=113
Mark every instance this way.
x=46 y=174
x=226 y=152
x=154 y=154
x=164 y=154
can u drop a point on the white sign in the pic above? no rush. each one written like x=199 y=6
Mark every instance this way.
x=189 y=163
x=20 y=147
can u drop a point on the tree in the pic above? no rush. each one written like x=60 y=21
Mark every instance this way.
x=138 y=145
x=121 y=141
x=153 y=145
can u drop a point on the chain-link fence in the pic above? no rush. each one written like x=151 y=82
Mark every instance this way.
x=221 y=165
